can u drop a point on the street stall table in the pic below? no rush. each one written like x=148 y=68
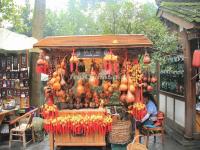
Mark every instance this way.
x=95 y=139
x=4 y=113
x=85 y=74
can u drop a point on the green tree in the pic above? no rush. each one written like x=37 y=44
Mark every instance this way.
x=130 y=18
x=7 y=11
x=72 y=21
x=24 y=22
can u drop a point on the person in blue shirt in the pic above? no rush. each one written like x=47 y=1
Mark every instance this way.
x=152 y=109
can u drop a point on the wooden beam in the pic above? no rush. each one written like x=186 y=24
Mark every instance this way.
x=188 y=85
x=176 y=20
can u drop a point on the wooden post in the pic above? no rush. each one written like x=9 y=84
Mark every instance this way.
x=51 y=141
x=35 y=81
x=158 y=81
x=188 y=85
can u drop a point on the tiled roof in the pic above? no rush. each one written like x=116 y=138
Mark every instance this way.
x=189 y=11
x=116 y=41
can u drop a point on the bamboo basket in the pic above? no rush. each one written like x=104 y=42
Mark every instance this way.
x=136 y=145
x=121 y=132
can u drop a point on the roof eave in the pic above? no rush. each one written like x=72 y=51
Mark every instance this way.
x=177 y=20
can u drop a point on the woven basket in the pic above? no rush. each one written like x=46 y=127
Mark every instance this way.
x=135 y=145
x=121 y=132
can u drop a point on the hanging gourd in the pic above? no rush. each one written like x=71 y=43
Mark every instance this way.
x=123 y=98
x=146 y=59
x=124 y=79
x=149 y=88
x=130 y=97
x=153 y=79
x=56 y=86
x=132 y=88
x=123 y=87
x=73 y=59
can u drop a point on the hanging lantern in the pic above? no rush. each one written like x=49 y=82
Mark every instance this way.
x=196 y=58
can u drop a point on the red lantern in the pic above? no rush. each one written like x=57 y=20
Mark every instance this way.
x=196 y=58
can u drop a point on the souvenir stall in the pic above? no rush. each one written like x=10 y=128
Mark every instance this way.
x=86 y=74
x=14 y=69
x=14 y=79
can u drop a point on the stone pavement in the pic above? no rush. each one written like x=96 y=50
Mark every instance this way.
x=169 y=144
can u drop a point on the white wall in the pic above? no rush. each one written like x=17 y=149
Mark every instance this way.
x=170 y=108
x=180 y=112
x=162 y=102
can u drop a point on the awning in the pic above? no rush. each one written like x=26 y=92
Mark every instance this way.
x=12 y=41
x=95 y=41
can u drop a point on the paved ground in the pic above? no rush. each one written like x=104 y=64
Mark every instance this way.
x=169 y=144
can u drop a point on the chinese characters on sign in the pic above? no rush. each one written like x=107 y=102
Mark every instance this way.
x=90 y=53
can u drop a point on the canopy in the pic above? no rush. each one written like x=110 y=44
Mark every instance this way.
x=11 y=41
x=95 y=41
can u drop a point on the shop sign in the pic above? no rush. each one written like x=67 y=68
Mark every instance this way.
x=90 y=53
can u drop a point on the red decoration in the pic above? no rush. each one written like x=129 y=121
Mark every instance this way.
x=77 y=124
x=196 y=58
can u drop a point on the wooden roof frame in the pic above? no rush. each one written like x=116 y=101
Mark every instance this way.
x=95 y=41
x=177 y=20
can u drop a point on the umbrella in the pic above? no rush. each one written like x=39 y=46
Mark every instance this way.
x=11 y=41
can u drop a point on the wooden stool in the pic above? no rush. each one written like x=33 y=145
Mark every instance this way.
x=156 y=131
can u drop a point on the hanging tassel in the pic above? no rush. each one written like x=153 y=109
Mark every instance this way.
x=71 y=66
x=77 y=66
x=110 y=67
x=135 y=61
x=105 y=64
x=116 y=69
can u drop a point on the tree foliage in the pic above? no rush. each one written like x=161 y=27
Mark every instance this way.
x=101 y=17
x=7 y=11
x=23 y=23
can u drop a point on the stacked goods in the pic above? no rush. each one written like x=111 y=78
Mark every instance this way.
x=77 y=124
x=138 y=110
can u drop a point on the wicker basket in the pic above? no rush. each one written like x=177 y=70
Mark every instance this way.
x=135 y=145
x=121 y=132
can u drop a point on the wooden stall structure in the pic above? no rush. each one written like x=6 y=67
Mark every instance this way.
x=90 y=47
x=177 y=92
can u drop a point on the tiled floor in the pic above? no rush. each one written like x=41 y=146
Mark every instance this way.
x=169 y=144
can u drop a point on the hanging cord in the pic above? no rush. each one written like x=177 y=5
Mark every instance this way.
x=198 y=42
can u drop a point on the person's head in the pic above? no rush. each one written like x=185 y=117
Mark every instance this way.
x=148 y=97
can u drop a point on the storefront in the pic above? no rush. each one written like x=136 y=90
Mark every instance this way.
x=14 y=70
x=87 y=73
x=178 y=94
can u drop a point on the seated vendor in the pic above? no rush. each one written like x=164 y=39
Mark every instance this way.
x=152 y=110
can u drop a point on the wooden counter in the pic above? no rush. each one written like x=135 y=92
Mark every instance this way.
x=77 y=140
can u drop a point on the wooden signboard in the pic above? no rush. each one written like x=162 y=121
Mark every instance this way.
x=90 y=53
